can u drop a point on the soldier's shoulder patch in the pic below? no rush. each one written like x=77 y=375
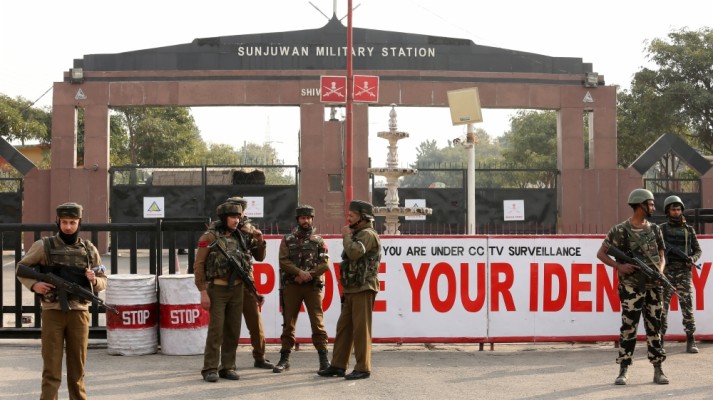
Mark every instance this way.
x=203 y=243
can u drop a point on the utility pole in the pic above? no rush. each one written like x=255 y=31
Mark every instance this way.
x=349 y=156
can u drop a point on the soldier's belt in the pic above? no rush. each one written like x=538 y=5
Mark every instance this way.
x=223 y=282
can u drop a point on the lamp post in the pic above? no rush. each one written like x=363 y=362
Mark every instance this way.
x=470 y=146
x=465 y=109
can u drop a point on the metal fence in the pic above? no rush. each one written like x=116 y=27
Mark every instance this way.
x=19 y=303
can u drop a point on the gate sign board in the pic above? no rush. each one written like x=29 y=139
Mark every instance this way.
x=154 y=207
x=514 y=210
x=333 y=89
x=366 y=88
x=256 y=207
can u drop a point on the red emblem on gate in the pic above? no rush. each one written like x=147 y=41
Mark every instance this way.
x=333 y=89
x=366 y=88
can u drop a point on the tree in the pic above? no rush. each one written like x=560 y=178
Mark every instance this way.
x=20 y=121
x=221 y=154
x=264 y=156
x=162 y=136
x=531 y=143
x=684 y=80
x=454 y=156
x=676 y=98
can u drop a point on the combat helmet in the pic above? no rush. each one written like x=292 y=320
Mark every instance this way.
x=304 y=210
x=228 y=208
x=241 y=201
x=672 y=200
x=69 y=210
x=362 y=207
x=638 y=196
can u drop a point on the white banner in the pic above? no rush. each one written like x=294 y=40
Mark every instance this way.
x=494 y=289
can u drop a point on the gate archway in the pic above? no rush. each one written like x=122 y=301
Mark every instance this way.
x=283 y=69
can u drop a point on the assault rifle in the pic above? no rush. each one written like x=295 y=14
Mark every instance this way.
x=237 y=270
x=63 y=286
x=680 y=254
x=651 y=273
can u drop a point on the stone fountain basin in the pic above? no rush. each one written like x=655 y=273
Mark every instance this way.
x=392 y=135
x=402 y=211
x=389 y=170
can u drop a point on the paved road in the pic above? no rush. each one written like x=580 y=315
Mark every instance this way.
x=511 y=371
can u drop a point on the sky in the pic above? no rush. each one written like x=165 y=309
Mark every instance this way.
x=39 y=39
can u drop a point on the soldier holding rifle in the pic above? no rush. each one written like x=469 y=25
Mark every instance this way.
x=682 y=252
x=221 y=250
x=639 y=294
x=65 y=321
x=251 y=307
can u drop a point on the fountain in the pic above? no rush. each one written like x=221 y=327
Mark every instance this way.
x=392 y=211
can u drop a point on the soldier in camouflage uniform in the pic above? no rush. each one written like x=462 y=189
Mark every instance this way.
x=251 y=307
x=360 y=283
x=637 y=293
x=303 y=262
x=76 y=260
x=221 y=290
x=680 y=235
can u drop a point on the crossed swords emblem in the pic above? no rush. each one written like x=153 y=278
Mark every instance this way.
x=365 y=90
x=333 y=90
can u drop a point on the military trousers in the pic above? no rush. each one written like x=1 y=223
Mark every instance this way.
x=293 y=296
x=60 y=329
x=679 y=274
x=354 y=331
x=634 y=303
x=253 y=321
x=226 y=311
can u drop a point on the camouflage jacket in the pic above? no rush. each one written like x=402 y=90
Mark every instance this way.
x=361 y=257
x=644 y=243
x=303 y=251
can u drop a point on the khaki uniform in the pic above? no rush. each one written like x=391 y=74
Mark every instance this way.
x=251 y=310
x=302 y=251
x=360 y=282
x=60 y=329
x=212 y=273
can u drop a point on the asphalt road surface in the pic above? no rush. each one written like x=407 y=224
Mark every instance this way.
x=511 y=371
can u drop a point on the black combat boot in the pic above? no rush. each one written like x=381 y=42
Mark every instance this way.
x=691 y=344
x=323 y=360
x=623 y=376
x=284 y=363
x=659 y=376
x=264 y=364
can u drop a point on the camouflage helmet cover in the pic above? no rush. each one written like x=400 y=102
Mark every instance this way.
x=672 y=200
x=638 y=196
x=229 y=208
x=69 y=210
x=362 y=207
x=241 y=201
x=304 y=210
